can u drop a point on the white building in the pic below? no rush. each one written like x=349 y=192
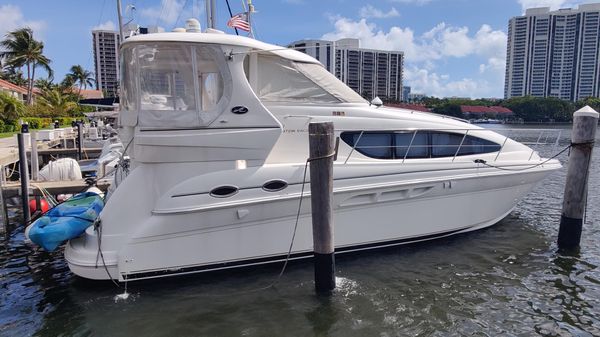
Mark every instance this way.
x=554 y=53
x=369 y=72
x=106 y=60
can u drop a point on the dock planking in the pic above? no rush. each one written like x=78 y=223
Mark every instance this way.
x=12 y=189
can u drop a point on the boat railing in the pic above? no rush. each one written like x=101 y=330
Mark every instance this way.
x=546 y=140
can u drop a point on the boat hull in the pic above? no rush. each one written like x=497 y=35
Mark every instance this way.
x=189 y=240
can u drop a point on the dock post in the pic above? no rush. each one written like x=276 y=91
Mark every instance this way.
x=23 y=176
x=79 y=142
x=35 y=165
x=3 y=212
x=321 y=145
x=585 y=122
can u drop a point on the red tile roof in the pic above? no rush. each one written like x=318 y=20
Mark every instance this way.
x=12 y=87
x=479 y=109
x=409 y=106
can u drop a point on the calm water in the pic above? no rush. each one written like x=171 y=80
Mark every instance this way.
x=507 y=280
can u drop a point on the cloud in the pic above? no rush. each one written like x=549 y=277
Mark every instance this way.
x=167 y=13
x=369 y=11
x=108 y=25
x=416 y=2
x=12 y=18
x=553 y=4
x=425 y=53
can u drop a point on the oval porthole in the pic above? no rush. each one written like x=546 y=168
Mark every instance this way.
x=274 y=185
x=223 y=191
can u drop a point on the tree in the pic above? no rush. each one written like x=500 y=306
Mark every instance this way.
x=43 y=84
x=81 y=77
x=449 y=109
x=21 y=49
x=593 y=102
x=11 y=108
x=540 y=109
x=58 y=103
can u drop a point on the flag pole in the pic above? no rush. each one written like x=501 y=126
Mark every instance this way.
x=250 y=10
x=231 y=15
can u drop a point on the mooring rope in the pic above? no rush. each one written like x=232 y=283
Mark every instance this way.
x=504 y=168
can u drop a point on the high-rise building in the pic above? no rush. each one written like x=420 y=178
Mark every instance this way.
x=106 y=60
x=554 y=53
x=369 y=72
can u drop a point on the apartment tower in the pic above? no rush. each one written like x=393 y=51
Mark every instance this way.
x=106 y=60
x=554 y=53
x=369 y=72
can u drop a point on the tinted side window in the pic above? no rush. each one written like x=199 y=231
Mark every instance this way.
x=371 y=144
x=474 y=145
x=422 y=144
x=417 y=142
x=444 y=144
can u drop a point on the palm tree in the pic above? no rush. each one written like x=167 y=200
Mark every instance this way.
x=44 y=84
x=11 y=108
x=57 y=102
x=82 y=77
x=21 y=49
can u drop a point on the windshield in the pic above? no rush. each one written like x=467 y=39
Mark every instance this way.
x=282 y=80
x=173 y=84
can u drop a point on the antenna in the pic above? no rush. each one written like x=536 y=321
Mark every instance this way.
x=120 y=20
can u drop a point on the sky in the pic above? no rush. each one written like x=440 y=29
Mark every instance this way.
x=451 y=47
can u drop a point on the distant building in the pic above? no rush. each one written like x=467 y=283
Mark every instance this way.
x=369 y=72
x=106 y=60
x=13 y=90
x=409 y=106
x=554 y=53
x=415 y=97
x=405 y=93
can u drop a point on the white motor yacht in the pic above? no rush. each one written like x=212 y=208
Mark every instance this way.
x=215 y=126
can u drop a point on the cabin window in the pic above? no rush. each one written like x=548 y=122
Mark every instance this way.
x=415 y=145
x=127 y=96
x=168 y=85
x=210 y=80
x=281 y=81
x=166 y=82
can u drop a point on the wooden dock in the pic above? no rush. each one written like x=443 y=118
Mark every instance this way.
x=13 y=188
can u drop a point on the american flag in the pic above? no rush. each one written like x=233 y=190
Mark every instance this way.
x=239 y=21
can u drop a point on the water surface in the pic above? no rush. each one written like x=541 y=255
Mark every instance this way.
x=507 y=280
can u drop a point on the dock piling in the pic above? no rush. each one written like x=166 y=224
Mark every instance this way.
x=35 y=165
x=23 y=176
x=79 y=141
x=585 y=122
x=321 y=144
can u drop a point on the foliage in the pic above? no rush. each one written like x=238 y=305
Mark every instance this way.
x=20 y=49
x=448 y=109
x=11 y=108
x=593 y=102
x=81 y=77
x=540 y=109
x=58 y=103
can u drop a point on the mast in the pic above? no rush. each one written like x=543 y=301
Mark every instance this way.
x=120 y=19
x=250 y=10
x=210 y=14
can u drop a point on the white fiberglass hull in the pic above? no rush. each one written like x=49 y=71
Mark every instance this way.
x=369 y=212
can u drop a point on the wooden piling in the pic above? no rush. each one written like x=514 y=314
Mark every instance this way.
x=24 y=177
x=3 y=213
x=79 y=142
x=321 y=144
x=35 y=165
x=585 y=122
